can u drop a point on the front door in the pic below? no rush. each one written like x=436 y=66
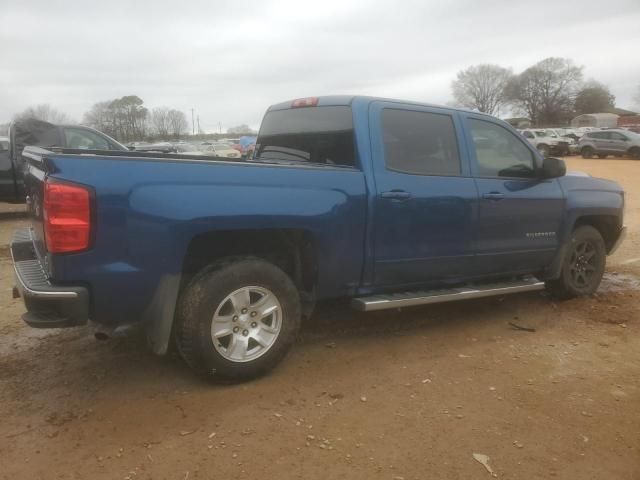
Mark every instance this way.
x=519 y=214
x=425 y=204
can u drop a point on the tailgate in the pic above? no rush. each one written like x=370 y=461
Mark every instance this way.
x=34 y=176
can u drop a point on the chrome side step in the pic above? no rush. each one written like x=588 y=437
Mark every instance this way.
x=410 y=299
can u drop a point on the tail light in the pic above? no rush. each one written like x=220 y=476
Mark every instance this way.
x=305 y=102
x=67 y=217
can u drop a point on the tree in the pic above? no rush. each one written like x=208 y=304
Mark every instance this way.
x=160 y=122
x=547 y=90
x=44 y=112
x=123 y=118
x=594 y=97
x=178 y=125
x=482 y=87
x=240 y=129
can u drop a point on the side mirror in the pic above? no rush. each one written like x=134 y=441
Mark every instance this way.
x=553 y=168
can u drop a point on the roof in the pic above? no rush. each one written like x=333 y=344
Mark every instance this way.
x=601 y=116
x=347 y=100
x=622 y=112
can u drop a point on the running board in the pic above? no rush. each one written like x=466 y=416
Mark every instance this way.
x=424 y=297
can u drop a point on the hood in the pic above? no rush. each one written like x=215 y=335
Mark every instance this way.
x=575 y=173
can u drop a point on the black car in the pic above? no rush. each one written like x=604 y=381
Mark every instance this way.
x=32 y=132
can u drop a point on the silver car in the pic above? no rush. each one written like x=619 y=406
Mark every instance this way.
x=617 y=142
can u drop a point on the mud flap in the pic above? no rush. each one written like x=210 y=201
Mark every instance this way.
x=159 y=315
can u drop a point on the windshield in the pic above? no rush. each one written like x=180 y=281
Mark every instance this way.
x=311 y=134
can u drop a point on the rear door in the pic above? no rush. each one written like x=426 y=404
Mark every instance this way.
x=426 y=201
x=519 y=214
x=619 y=142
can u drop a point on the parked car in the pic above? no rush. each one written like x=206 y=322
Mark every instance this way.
x=209 y=150
x=617 y=142
x=159 y=147
x=567 y=135
x=8 y=182
x=389 y=203
x=223 y=150
x=44 y=134
x=546 y=142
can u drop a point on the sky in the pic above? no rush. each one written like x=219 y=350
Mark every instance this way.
x=229 y=60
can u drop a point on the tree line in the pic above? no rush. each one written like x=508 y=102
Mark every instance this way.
x=125 y=119
x=551 y=92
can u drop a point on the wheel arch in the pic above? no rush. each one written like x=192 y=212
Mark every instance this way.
x=292 y=250
x=607 y=225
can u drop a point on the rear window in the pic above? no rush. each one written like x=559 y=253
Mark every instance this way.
x=309 y=134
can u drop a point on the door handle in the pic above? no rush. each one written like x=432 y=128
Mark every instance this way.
x=493 y=196
x=396 y=195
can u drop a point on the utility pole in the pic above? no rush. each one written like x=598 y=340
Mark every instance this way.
x=199 y=131
x=193 y=125
x=220 y=127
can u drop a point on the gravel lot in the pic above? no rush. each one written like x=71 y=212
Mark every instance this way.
x=390 y=395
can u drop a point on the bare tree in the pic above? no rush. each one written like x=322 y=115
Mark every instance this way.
x=123 y=118
x=482 y=87
x=178 y=125
x=44 y=112
x=160 y=122
x=547 y=90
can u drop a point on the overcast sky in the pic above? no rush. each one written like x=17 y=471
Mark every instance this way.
x=231 y=59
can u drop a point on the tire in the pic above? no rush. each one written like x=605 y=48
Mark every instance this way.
x=602 y=155
x=634 y=153
x=544 y=150
x=587 y=152
x=233 y=292
x=582 y=266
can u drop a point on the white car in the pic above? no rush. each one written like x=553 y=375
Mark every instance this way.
x=546 y=142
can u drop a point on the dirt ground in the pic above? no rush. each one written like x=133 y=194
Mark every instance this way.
x=409 y=394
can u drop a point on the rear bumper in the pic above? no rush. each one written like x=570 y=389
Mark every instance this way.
x=48 y=306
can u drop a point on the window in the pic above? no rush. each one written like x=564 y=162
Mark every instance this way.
x=420 y=143
x=599 y=135
x=309 y=135
x=79 y=138
x=617 y=136
x=499 y=152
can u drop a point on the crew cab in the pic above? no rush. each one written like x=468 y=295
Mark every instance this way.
x=36 y=132
x=389 y=203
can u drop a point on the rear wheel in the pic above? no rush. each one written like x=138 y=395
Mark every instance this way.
x=635 y=153
x=239 y=320
x=587 y=152
x=583 y=265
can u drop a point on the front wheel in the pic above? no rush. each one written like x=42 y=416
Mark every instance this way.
x=583 y=265
x=587 y=152
x=237 y=321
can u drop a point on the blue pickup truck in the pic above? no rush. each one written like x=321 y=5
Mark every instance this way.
x=386 y=202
